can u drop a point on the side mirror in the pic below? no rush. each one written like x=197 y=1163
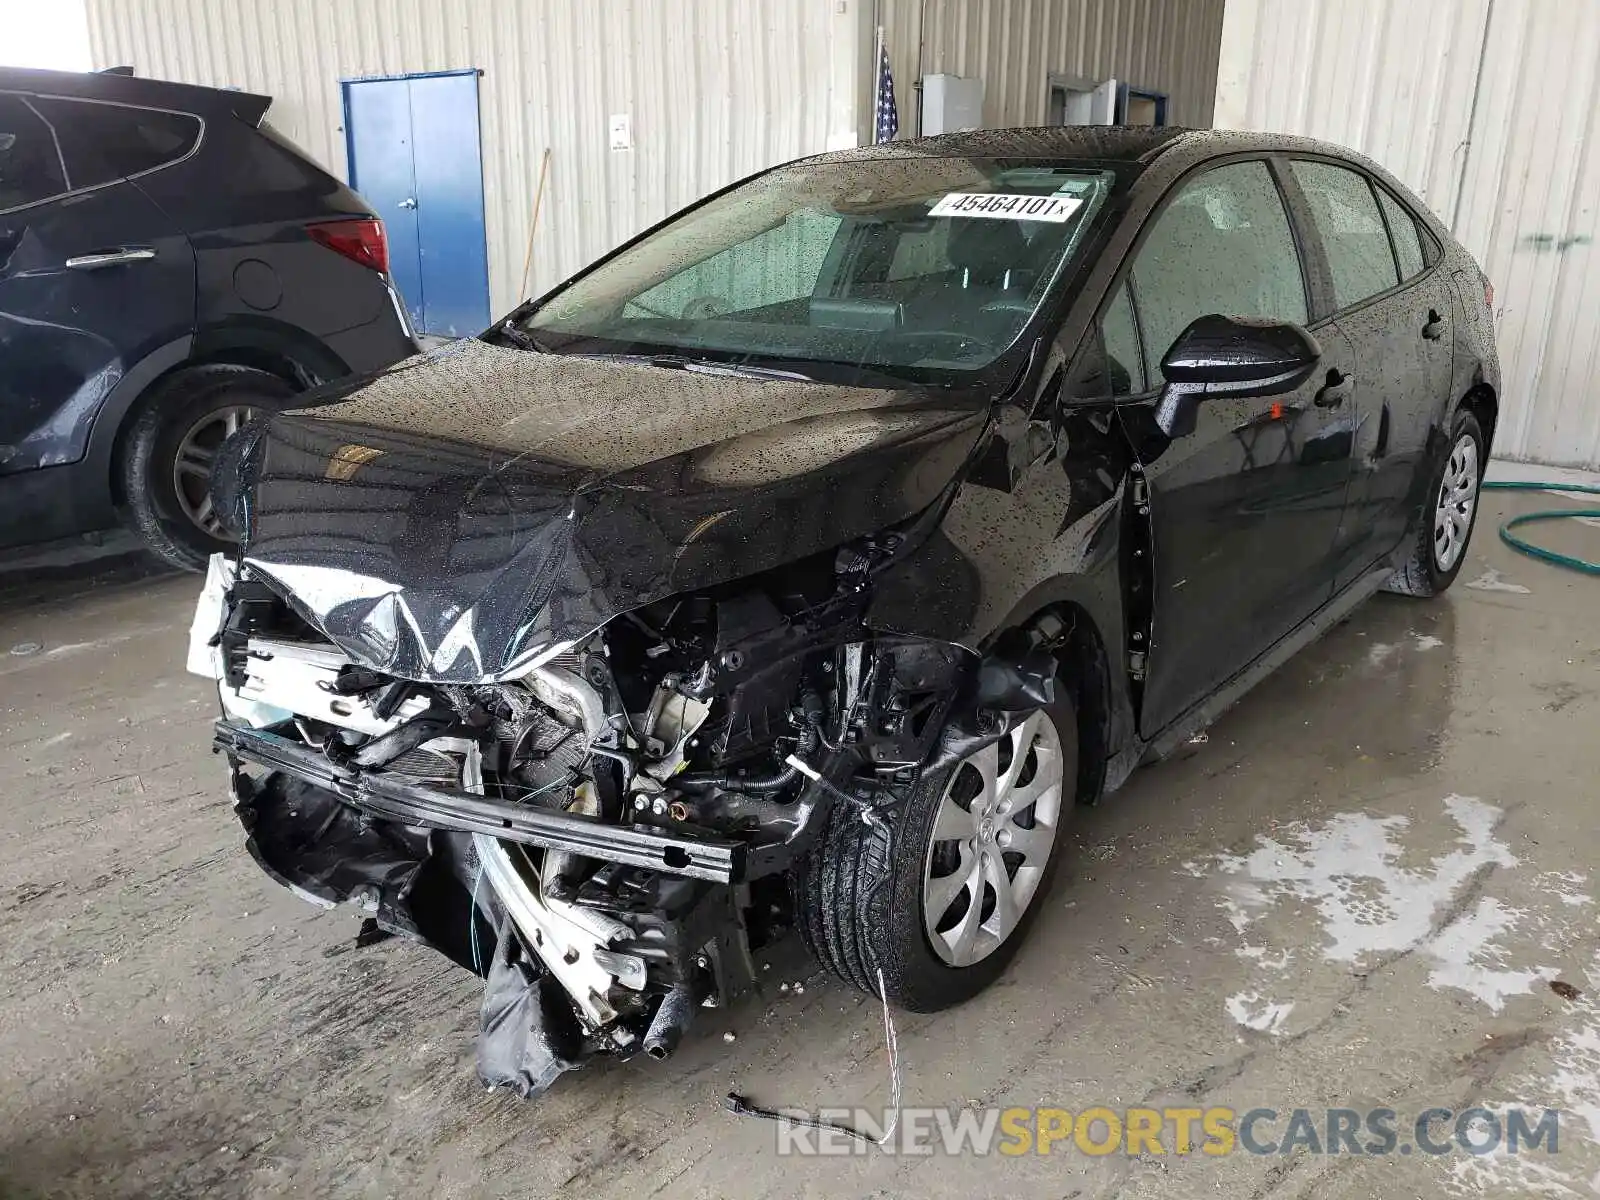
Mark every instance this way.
x=1218 y=357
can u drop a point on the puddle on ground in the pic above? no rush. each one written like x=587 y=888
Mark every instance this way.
x=1490 y=581
x=1375 y=898
x=1382 y=886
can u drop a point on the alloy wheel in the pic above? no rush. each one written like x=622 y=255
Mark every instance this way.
x=197 y=453
x=992 y=836
x=1458 y=498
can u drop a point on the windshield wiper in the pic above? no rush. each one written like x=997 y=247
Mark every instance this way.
x=521 y=339
x=706 y=366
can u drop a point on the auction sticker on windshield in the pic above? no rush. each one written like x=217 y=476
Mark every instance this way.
x=1007 y=207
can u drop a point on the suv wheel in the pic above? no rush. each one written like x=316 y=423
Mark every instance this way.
x=1448 y=516
x=167 y=457
x=942 y=893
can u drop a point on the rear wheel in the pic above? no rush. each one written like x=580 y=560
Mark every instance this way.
x=942 y=894
x=167 y=457
x=1448 y=516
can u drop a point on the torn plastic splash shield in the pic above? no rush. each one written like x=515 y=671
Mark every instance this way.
x=440 y=808
x=452 y=519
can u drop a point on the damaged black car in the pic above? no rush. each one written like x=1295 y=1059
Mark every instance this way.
x=806 y=561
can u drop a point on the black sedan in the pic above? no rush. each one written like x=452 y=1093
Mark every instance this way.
x=808 y=559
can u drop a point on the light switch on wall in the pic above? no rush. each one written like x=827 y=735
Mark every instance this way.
x=621 y=131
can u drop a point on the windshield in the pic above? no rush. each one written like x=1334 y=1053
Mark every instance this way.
x=916 y=267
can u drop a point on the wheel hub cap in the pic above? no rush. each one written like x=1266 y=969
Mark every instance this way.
x=992 y=835
x=1458 y=498
x=191 y=467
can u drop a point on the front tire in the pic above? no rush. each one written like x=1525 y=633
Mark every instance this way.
x=1449 y=515
x=165 y=465
x=941 y=895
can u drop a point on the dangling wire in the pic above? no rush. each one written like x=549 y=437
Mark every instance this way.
x=472 y=921
x=740 y=1105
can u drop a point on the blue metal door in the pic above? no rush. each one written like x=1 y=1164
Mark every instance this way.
x=377 y=124
x=415 y=155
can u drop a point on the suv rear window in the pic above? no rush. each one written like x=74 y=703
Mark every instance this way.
x=104 y=142
x=30 y=167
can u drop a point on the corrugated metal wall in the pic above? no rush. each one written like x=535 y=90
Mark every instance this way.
x=1490 y=109
x=716 y=89
x=1015 y=45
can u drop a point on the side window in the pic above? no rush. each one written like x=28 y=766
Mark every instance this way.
x=777 y=265
x=1222 y=246
x=1124 y=362
x=1346 y=213
x=30 y=165
x=1108 y=365
x=103 y=142
x=1403 y=228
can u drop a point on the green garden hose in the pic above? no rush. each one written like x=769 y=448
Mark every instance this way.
x=1528 y=548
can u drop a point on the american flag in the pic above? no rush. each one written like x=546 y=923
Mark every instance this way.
x=886 y=120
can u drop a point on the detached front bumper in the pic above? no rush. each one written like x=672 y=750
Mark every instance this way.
x=392 y=799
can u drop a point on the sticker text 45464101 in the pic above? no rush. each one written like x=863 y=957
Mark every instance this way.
x=1006 y=206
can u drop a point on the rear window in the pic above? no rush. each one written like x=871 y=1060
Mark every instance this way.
x=104 y=142
x=1403 y=229
x=30 y=166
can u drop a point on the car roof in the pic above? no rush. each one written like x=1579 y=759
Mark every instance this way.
x=1139 y=146
x=129 y=89
x=1129 y=143
x=1135 y=144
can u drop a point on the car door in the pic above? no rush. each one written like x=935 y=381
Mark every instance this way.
x=1397 y=315
x=92 y=274
x=1245 y=507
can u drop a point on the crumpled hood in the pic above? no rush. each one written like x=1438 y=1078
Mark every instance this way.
x=454 y=516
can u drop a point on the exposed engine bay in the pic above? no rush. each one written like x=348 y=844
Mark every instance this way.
x=604 y=838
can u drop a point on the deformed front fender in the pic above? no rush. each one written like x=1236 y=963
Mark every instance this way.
x=1002 y=559
x=1003 y=551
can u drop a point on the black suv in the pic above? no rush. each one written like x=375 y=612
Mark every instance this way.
x=169 y=265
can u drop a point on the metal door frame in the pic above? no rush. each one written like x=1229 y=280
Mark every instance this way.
x=344 y=108
x=406 y=77
x=1161 y=100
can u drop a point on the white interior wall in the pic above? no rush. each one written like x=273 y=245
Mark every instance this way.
x=53 y=36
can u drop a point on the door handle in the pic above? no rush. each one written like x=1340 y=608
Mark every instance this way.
x=1334 y=392
x=1434 y=329
x=407 y=203
x=110 y=258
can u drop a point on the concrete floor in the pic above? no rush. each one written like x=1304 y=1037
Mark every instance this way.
x=1353 y=893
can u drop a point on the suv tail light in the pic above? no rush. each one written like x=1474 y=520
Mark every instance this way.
x=361 y=240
